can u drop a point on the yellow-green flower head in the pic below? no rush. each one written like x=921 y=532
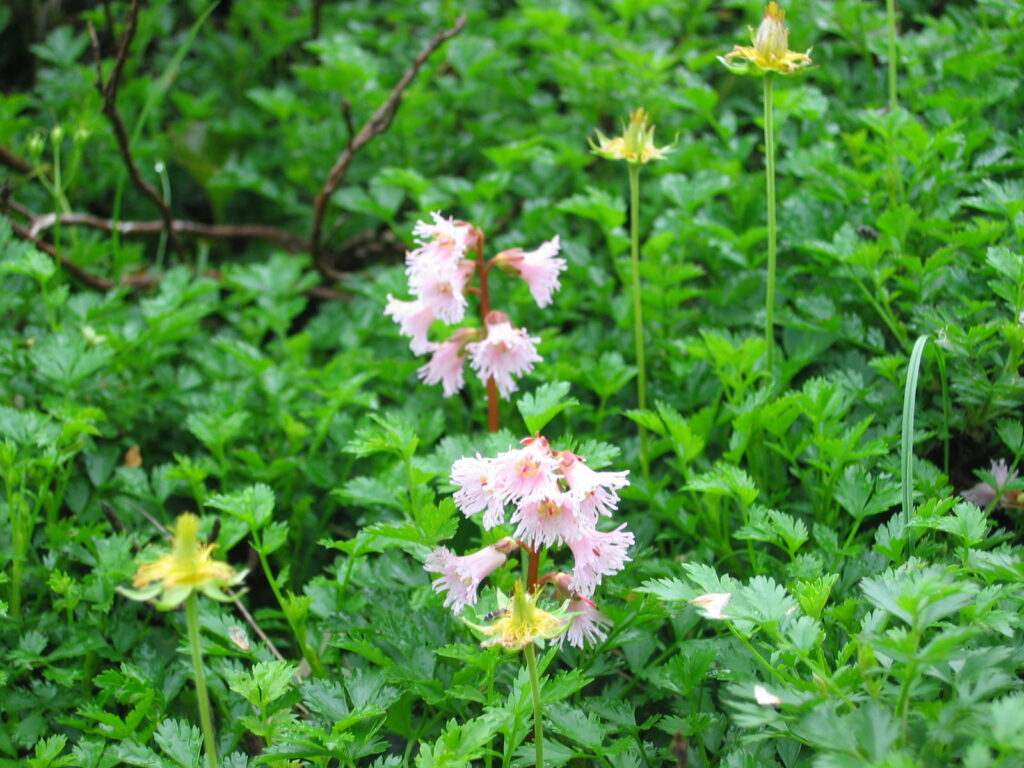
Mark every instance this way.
x=770 y=52
x=636 y=145
x=522 y=622
x=188 y=567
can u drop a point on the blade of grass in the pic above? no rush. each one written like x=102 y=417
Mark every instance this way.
x=907 y=439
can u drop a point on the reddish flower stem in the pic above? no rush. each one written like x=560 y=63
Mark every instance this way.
x=532 y=570
x=485 y=308
x=533 y=565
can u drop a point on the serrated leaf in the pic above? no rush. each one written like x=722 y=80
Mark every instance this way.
x=539 y=407
x=181 y=742
x=254 y=504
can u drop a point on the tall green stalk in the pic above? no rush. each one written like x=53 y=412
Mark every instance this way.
x=769 y=301
x=206 y=720
x=890 y=13
x=538 y=724
x=638 y=311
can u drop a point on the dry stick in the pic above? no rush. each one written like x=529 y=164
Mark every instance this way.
x=379 y=122
x=280 y=237
x=14 y=162
x=109 y=93
x=98 y=283
x=37 y=223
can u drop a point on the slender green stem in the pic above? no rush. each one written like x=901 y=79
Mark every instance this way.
x=907 y=436
x=538 y=725
x=890 y=12
x=769 y=301
x=638 y=311
x=308 y=651
x=192 y=619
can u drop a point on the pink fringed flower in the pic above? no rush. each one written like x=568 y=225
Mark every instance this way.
x=442 y=243
x=506 y=351
x=546 y=522
x=478 y=489
x=539 y=268
x=414 y=319
x=442 y=289
x=982 y=494
x=598 y=554
x=595 y=491
x=460 y=576
x=446 y=364
x=587 y=626
x=528 y=473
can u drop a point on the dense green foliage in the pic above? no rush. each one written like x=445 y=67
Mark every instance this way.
x=217 y=378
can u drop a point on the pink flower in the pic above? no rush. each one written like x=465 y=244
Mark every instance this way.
x=548 y=521
x=982 y=494
x=588 y=625
x=442 y=289
x=460 y=576
x=414 y=319
x=444 y=241
x=506 y=351
x=445 y=366
x=594 y=491
x=478 y=489
x=527 y=474
x=598 y=554
x=538 y=268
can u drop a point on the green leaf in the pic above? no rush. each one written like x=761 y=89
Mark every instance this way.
x=1011 y=432
x=389 y=433
x=266 y=682
x=254 y=505
x=181 y=742
x=726 y=480
x=861 y=495
x=539 y=407
x=575 y=725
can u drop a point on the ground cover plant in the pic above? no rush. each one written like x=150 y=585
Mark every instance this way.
x=733 y=479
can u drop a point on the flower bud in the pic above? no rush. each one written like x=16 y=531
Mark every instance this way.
x=772 y=38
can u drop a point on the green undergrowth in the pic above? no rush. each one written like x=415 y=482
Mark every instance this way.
x=874 y=615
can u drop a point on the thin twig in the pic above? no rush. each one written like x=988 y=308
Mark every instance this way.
x=282 y=238
x=14 y=162
x=379 y=122
x=346 y=113
x=109 y=93
x=98 y=283
x=321 y=292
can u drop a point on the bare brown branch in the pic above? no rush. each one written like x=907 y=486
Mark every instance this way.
x=378 y=123
x=14 y=162
x=280 y=237
x=109 y=93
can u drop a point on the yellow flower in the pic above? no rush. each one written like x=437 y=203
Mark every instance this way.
x=635 y=146
x=188 y=567
x=521 y=624
x=770 y=52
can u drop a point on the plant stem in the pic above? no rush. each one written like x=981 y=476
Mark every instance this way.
x=638 y=311
x=192 y=619
x=538 y=725
x=890 y=13
x=483 y=269
x=769 y=301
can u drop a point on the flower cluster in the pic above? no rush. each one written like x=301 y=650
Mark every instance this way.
x=440 y=271
x=770 y=52
x=556 y=500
